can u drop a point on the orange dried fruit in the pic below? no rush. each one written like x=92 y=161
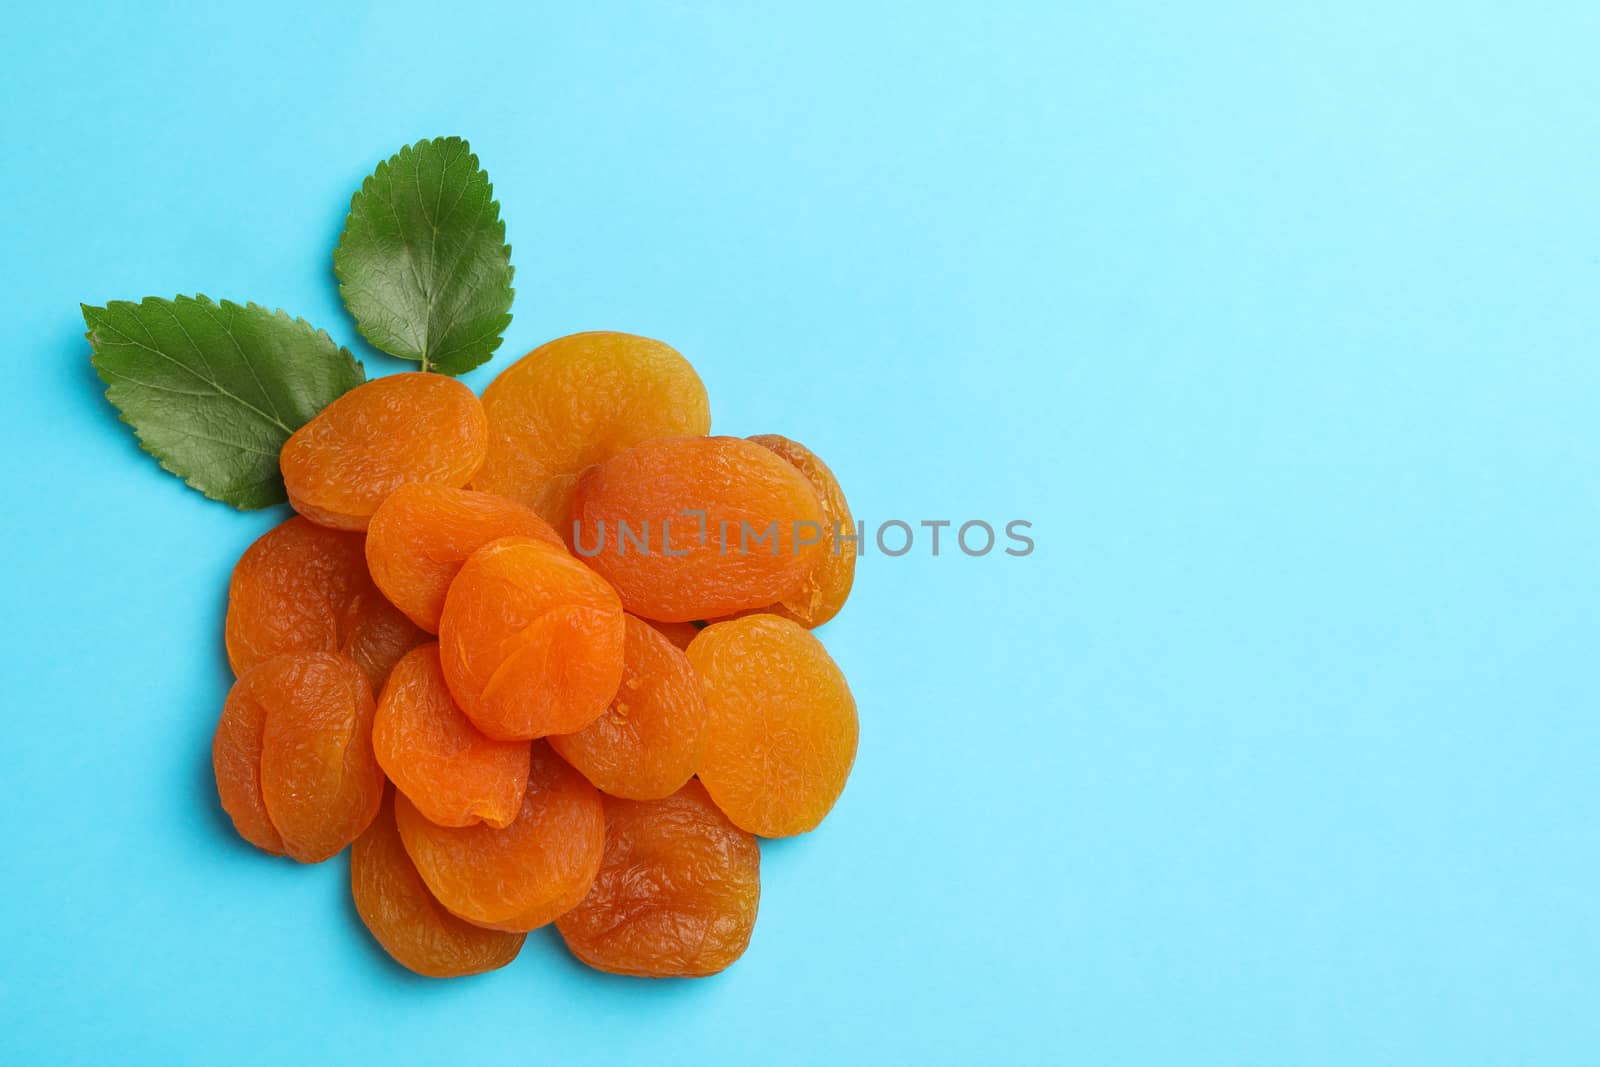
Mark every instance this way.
x=379 y=635
x=421 y=535
x=407 y=921
x=646 y=744
x=576 y=401
x=780 y=727
x=531 y=640
x=236 y=763
x=698 y=527
x=293 y=755
x=454 y=774
x=304 y=588
x=412 y=427
x=825 y=589
x=676 y=894
x=679 y=633
x=521 y=876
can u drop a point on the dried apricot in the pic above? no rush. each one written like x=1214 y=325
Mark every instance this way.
x=647 y=743
x=677 y=891
x=698 y=527
x=414 y=928
x=422 y=533
x=379 y=634
x=531 y=640
x=576 y=401
x=521 y=876
x=413 y=427
x=679 y=633
x=236 y=762
x=304 y=588
x=454 y=774
x=780 y=727
x=293 y=755
x=825 y=589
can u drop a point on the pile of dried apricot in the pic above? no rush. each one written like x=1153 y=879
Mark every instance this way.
x=541 y=658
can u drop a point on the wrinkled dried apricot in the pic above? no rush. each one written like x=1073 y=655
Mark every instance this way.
x=413 y=427
x=455 y=775
x=521 y=876
x=780 y=727
x=293 y=755
x=677 y=891
x=304 y=588
x=698 y=527
x=647 y=743
x=379 y=635
x=407 y=921
x=422 y=533
x=576 y=401
x=531 y=640
x=579 y=745
x=825 y=589
x=236 y=762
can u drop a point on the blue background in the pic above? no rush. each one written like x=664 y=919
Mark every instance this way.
x=1279 y=321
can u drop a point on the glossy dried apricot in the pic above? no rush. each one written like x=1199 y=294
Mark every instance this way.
x=531 y=640
x=293 y=755
x=454 y=774
x=407 y=921
x=421 y=535
x=698 y=527
x=677 y=891
x=521 y=876
x=780 y=727
x=413 y=427
x=576 y=401
x=646 y=744
x=304 y=588
x=825 y=589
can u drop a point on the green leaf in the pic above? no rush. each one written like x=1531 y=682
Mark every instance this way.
x=423 y=263
x=214 y=390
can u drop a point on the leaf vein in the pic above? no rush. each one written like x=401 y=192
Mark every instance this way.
x=216 y=385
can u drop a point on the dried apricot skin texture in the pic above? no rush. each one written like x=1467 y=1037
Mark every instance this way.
x=744 y=491
x=781 y=727
x=402 y=915
x=677 y=891
x=379 y=634
x=646 y=744
x=531 y=640
x=826 y=588
x=290 y=592
x=236 y=762
x=304 y=588
x=455 y=775
x=421 y=535
x=579 y=400
x=316 y=780
x=412 y=427
x=524 y=875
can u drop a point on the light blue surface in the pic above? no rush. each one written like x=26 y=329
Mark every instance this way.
x=1280 y=321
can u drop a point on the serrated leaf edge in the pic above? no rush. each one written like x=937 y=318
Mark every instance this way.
x=199 y=298
x=368 y=188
